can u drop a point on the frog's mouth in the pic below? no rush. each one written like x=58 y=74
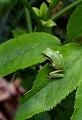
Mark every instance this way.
x=48 y=58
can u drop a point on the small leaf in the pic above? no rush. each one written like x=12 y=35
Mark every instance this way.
x=74 y=27
x=47 y=93
x=37 y=11
x=77 y=115
x=43 y=9
x=48 y=23
x=49 y=1
x=53 y=3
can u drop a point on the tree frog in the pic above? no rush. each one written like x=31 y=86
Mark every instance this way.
x=56 y=61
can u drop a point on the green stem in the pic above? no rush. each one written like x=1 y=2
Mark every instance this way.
x=50 y=9
x=28 y=20
x=35 y=17
x=65 y=9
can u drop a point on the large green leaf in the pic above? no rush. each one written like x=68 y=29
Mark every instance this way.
x=74 y=27
x=77 y=115
x=24 y=51
x=47 y=93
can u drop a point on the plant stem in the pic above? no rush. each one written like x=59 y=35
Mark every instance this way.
x=28 y=20
x=35 y=17
x=50 y=9
x=65 y=9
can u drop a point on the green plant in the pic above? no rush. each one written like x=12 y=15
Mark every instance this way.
x=25 y=51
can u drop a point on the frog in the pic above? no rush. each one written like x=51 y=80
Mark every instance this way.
x=56 y=61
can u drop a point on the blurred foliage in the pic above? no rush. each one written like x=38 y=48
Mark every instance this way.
x=12 y=17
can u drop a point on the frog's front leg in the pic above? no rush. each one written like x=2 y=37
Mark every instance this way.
x=56 y=74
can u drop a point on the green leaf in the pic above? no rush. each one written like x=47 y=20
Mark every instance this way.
x=49 y=1
x=77 y=115
x=37 y=11
x=24 y=51
x=47 y=93
x=53 y=3
x=74 y=27
x=18 y=32
x=43 y=9
x=48 y=23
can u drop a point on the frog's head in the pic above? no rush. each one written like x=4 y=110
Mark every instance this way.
x=55 y=58
x=48 y=54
